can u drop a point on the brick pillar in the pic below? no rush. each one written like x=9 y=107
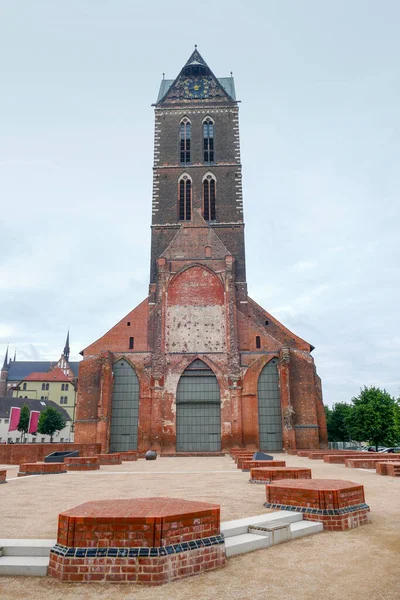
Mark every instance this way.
x=157 y=394
x=251 y=436
x=289 y=435
x=236 y=414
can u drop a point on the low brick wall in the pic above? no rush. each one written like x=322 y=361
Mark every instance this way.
x=268 y=474
x=251 y=464
x=338 y=504
x=3 y=475
x=367 y=463
x=239 y=460
x=82 y=463
x=149 y=541
x=129 y=455
x=41 y=468
x=341 y=458
x=388 y=468
x=236 y=451
x=15 y=454
x=109 y=459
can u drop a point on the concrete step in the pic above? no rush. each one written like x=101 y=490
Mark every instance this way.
x=247 y=542
x=241 y=526
x=33 y=547
x=28 y=566
x=303 y=528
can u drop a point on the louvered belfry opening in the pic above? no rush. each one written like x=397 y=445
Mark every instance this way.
x=124 y=408
x=269 y=408
x=198 y=410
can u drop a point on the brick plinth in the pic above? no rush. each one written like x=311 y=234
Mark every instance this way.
x=341 y=458
x=146 y=540
x=41 y=468
x=240 y=459
x=340 y=505
x=368 y=463
x=3 y=474
x=267 y=474
x=247 y=465
x=129 y=455
x=109 y=459
x=82 y=463
x=386 y=468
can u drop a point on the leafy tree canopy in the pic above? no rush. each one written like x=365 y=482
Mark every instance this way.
x=338 y=430
x=50 y=421
x=374 y=417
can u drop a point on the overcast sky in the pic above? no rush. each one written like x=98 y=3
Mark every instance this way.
x=320 y=140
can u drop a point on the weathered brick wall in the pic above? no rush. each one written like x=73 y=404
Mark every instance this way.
x=84 y=463
x=117 y=338
x=3 y=475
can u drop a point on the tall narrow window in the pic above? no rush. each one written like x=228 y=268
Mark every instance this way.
x=62 y=387
x=208 y=137
x=131 y=343
x=184 y=136
x=185 y=198
x=209 y=198
x=258 y=342
x=24 y=386
x=43 y=386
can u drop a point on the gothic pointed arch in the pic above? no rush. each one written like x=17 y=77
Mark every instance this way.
x=208 y=140
x=124 y=407
x=185 y=134
x=198 y=410
x=209 y=183
x=185 y=197
x=269 y=408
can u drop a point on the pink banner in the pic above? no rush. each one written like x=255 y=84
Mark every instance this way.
x=14 y=418
x=33 y=421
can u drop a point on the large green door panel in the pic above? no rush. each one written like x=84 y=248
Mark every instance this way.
x=198 y=410
x=269 y=408
x=125 y=408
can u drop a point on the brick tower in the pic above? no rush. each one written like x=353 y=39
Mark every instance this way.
x=198 y=366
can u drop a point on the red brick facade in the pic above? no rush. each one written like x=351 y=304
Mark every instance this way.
x=198 y=307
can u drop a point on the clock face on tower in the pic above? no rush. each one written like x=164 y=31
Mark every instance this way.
x=197 y=87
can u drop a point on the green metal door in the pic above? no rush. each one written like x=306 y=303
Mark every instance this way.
x=269 y=408
x=125 y=408
x=198 y=410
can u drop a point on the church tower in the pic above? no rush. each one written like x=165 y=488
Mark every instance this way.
x=198 y=366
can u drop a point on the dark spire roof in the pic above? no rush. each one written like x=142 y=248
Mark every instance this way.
x=66 y=347
x=5 y=363
x=196 y=67
x=196 y=59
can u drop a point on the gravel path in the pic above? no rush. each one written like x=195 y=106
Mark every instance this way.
x=360 y=564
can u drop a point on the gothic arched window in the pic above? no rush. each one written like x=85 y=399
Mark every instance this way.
x=185 y=197
x=208 y=139
x=209 y=197
x=184 y=137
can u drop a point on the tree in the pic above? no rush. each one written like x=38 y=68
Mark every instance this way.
x=373 y=417
x=23 y=424
x=338 y=430
x=50 y=421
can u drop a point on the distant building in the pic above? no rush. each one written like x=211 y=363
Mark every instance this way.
x=42 y=380
x=53 y=385
x=14 y=437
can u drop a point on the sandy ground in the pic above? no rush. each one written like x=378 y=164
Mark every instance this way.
x=361 y=564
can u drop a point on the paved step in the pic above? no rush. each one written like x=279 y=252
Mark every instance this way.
x=247 y=542
x=241 y=526
x=33 y=547
x=28 y=566
x=303 y=528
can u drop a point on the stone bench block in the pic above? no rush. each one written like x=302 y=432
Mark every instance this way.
x=251 y=464
x=268 y=474
x=338 y=504
x=82 y=463
x=3 y=475
x=147 y=540
x=41 y=468
x=109 y=459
